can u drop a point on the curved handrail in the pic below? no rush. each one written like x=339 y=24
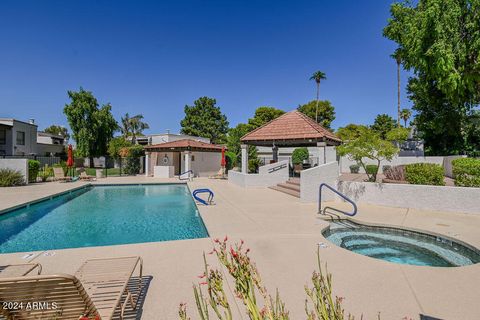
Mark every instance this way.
x=338 y=193
x=209 y=199
x=181 y=174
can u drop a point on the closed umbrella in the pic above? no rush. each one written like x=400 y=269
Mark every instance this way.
x=70 y=157
x=223 y=163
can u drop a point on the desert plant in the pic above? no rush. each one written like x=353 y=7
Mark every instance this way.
x=299 y=155
x=253 y=165
x=354 y=168
x=11 y=178
x=466 y=172
x=424 y=173
x=396 y=173
x=33 y=168
x=258 y=303
x=386 y=167
x=45 y=173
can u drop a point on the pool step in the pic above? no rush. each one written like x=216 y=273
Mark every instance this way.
x=291 y=187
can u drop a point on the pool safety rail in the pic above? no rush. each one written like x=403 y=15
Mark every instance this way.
x=354 y=212
x=190 y=173
x=202 y=201
x=276 y=168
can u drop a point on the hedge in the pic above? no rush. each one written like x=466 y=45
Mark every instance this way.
x=10 y=178
x=299 y=154
x=371 y=168
x=424 y=173
x=33 y=169
x=354 y=168
x=466 y=172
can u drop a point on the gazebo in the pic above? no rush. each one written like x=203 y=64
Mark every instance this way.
x=292 y=129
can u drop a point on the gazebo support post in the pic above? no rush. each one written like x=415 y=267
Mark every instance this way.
x=244 y=158
x=187 y=162
x=322 y=145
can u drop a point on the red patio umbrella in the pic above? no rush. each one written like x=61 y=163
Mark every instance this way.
x=70 y=156
x=224 y=162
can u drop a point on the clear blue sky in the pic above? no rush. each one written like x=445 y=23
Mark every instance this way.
x=153 y=57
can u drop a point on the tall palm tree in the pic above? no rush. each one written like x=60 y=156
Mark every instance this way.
x=405 y=114
x=396 y=55
x=125 y=127
x=318 y=76
x=137 y=126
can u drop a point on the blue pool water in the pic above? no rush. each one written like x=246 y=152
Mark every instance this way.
x=400 y=246
x=103 y=215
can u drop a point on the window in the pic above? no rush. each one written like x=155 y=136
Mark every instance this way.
x=21 y=138
x=3 y=136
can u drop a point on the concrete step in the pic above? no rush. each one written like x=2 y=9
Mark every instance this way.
x=287 y=191
x=291 y=186
x=294 y=181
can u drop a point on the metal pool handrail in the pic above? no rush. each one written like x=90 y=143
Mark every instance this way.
x=209 y=199
x=181 y=174
x=338 y=193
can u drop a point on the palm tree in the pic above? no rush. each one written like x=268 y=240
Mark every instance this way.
x=125 y=127
x=318 y=76
x=137 y=126
x=396 y=55
x=405 y=114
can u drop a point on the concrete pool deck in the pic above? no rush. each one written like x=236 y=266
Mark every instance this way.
x=283 y=234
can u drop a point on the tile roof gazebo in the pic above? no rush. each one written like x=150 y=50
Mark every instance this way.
x=292 y=129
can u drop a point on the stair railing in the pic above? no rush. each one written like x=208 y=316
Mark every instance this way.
x=183 y=173
x=320 y=211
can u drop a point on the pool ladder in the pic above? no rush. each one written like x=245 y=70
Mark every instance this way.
x=320 y=211
x=202 y=201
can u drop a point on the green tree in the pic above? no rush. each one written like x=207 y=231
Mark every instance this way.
x=405 y=114
x=383 y=123
x=234 y=144
x=264 y=115
x=351 y=131
x=322 y=111
x=59 y=131
x=137 y=125
x=117 y=144
x=204 y=119
x=398 y=59
x=92 y=127
x=318 y=76
x=125 y=125
x=368 y=145
x=438 y=40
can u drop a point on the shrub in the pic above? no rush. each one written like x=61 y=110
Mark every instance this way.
x=395 y=173
x=467 y=172
x=386 y=168
x=45 y=173
x=133 y=155
x=371 y=168
x=253 y=165
x=354 y=168
x=33 y=168
x=10 y=178
x=231 y=159
x=424 y=173
x=300 y=154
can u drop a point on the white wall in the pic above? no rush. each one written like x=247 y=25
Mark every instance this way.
x=441 y=198
x=263 y=179
x=311 y=179
x=16 y=164
x=205 y=164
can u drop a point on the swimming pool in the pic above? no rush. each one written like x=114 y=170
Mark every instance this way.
x=400 y=246
x=102 y=216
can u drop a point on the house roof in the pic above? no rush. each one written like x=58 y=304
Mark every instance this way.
x=184 y=145
x=291 y=128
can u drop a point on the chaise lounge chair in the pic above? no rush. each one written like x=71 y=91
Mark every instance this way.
x=219 y=175
x=19 y=270
x=94 y=292
x=59 y=175
x=84 y=176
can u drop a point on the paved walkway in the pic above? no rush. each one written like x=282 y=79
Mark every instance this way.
x=283 y=234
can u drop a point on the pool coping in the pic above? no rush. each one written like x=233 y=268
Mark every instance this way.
x=90 y=184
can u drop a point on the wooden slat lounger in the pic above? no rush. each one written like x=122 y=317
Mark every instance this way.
x=19 y=270
x=96 y=289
